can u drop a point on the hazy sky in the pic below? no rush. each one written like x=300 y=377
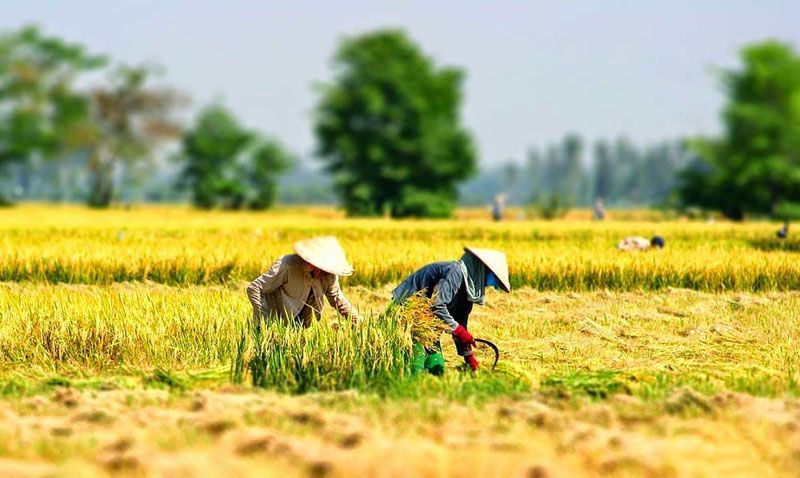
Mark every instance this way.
x=536 y=70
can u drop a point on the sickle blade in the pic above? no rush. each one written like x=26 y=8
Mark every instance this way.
x=493 y=347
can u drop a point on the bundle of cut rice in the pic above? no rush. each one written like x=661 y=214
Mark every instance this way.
x=416 y=311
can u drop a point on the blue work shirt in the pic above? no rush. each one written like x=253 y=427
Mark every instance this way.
x=446 y=280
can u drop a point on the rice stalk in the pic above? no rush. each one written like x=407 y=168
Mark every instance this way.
x=179 y=247
x=416 y=311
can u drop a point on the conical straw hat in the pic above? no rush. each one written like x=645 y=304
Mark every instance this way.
x=324 y=253
x=496 y=262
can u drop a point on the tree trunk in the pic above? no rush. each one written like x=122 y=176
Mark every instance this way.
x=102 y=185
x=775 y=198
x=734 y=213
x=6 y=185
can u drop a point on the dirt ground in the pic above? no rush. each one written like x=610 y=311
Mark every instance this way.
x=238 y=431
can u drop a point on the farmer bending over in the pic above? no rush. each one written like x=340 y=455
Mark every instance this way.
x=636 y=243
x=293 y=287
x=455 y=287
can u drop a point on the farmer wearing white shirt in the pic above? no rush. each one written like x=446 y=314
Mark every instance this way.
x=638 y=243
x=294 y=286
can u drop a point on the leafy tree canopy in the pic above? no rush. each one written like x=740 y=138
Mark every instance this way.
x=130 y=119
x=755 y=166
x=388 y=128
x=40 y=112
x=228 y=165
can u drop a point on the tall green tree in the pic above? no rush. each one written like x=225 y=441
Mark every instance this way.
x=603 y=171
x=534 y=171
x=131 y=120
x=511 y=173
x=388 y=128
x=41 y=113
x=755 y=166
x=266 y=162
x=210 y=150
x=573 y=186
x=228 y=165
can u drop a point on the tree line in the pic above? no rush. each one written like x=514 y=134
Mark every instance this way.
x=754 y=166
x=389 y=137
x=68 y=142
x=573 y=172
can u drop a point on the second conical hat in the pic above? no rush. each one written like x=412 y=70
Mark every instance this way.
x=324 y=253
x=495 y=261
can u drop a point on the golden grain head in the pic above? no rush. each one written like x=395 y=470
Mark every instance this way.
x=417 y=313
x=178 y=246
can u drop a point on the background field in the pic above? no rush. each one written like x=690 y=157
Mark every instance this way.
x=120 y=334
x=181 y=246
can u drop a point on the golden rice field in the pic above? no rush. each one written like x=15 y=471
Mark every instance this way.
x=179 y=246
x=124 y=351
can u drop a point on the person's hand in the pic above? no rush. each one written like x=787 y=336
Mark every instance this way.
x=471 y=361
x=462 y=335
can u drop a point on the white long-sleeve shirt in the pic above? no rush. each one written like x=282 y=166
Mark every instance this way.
x=634 y=243
x=288 y=291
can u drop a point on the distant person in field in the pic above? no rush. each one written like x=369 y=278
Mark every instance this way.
x=455 y=287
x=294 y=286
x=498 y=207
x=638 y=243
x=783 y=232
x=599 y=210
